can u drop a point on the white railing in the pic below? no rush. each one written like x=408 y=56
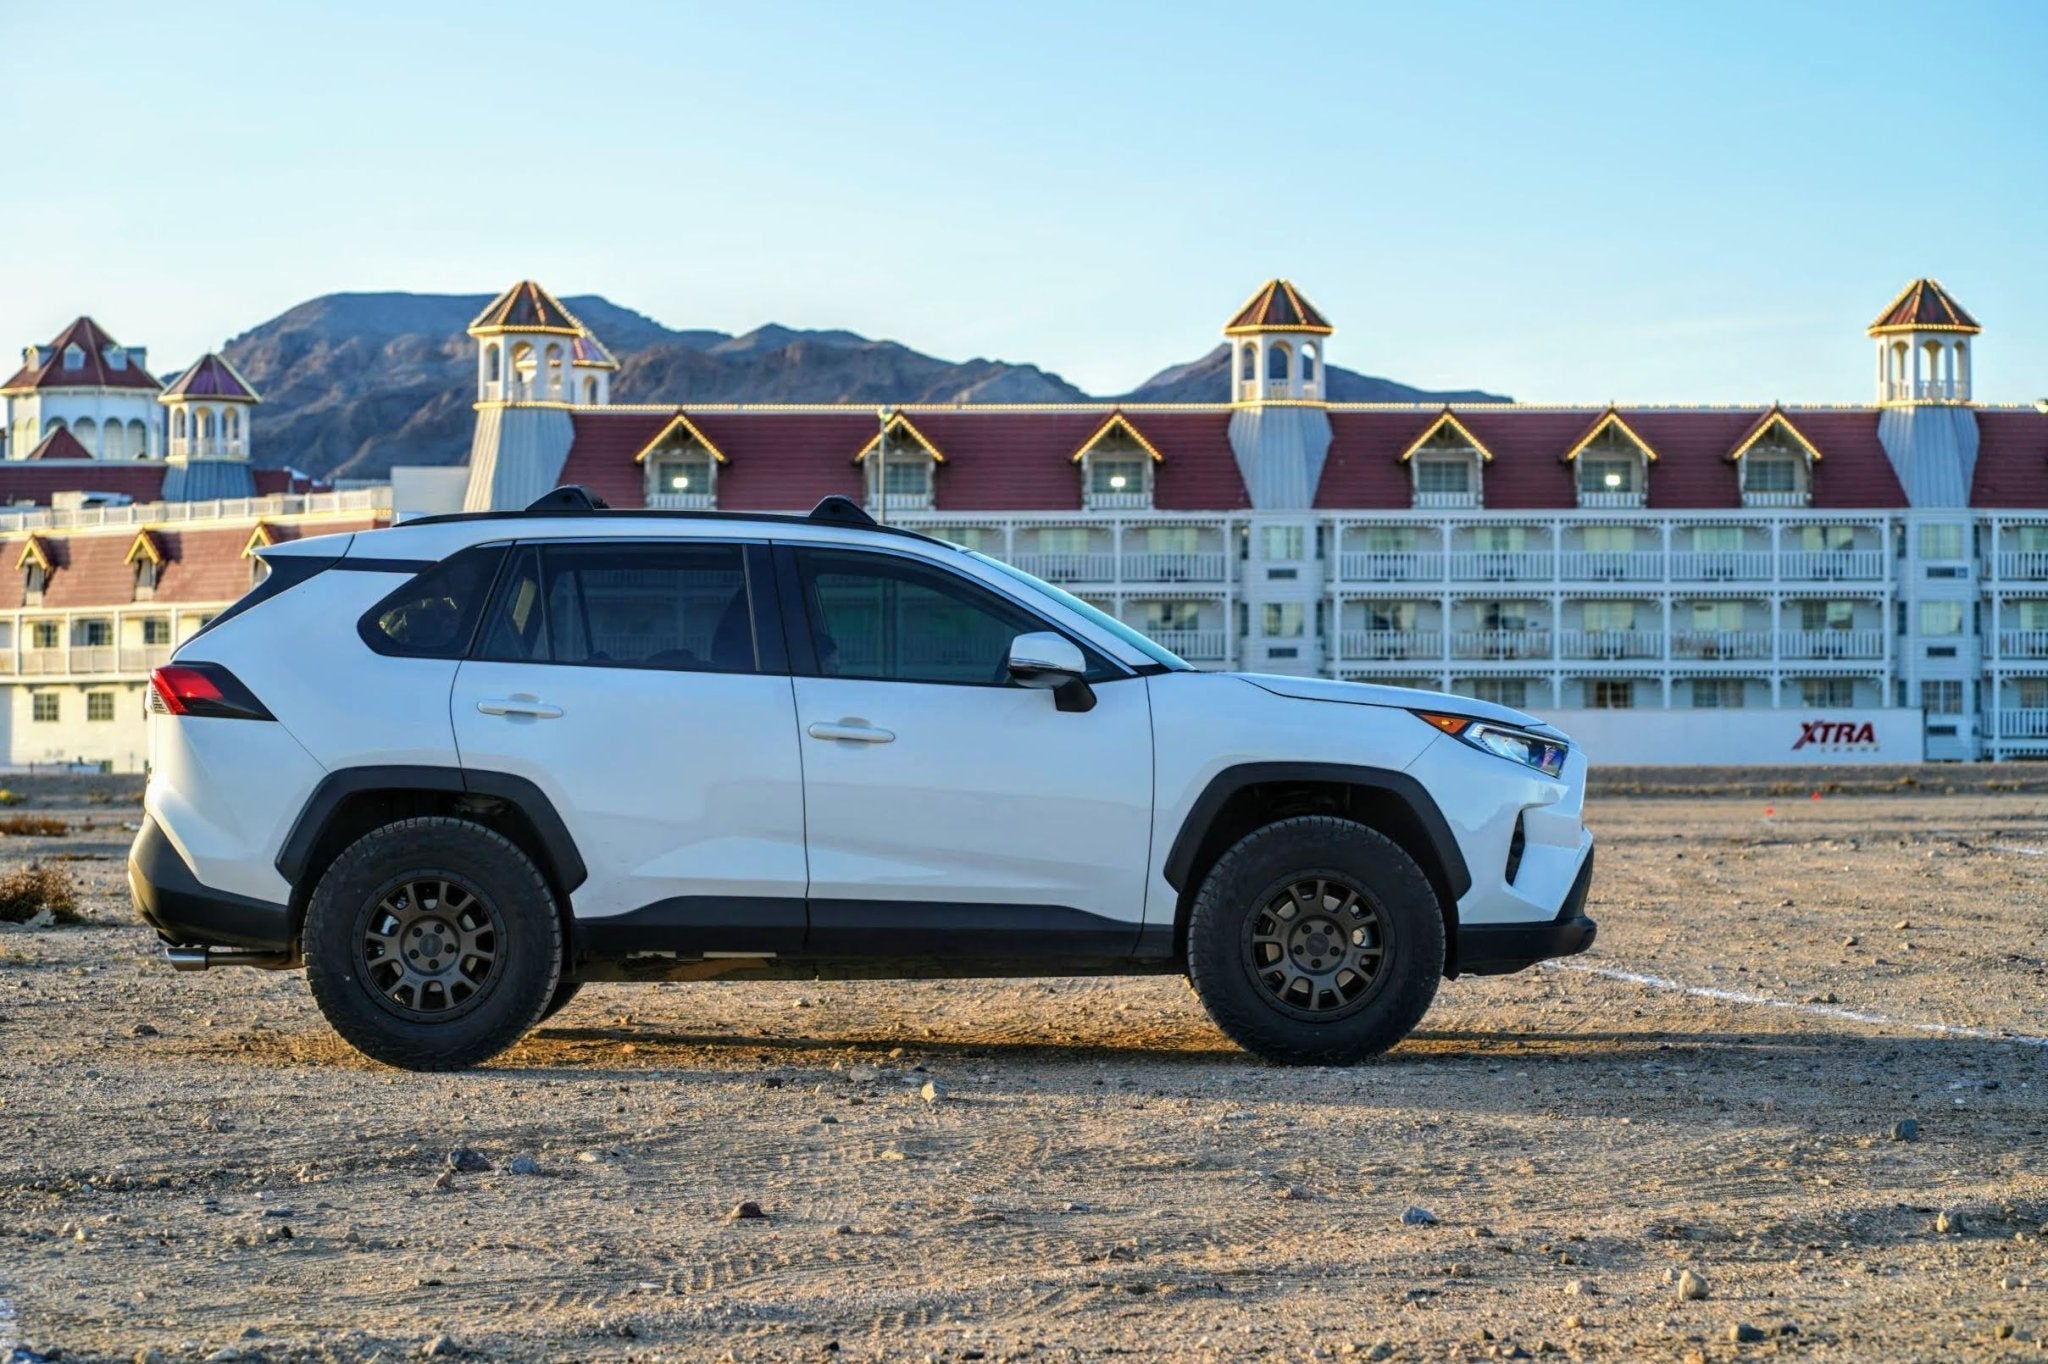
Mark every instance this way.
x=2023 y=643
x=1757 y=498
x=1176 y=568
x=150 y=513
x=1366 y=646
x=1724 y=565
x=903 y=502
x=1823 y=644
x=45 y=662
x=1137 y=501
x=1616 y=644
x=1196 y=646
x=1619 y=565
x=1831 y=565
x=1073 y=568
x=1427 y=501
x=1391 y=566
x=688 y=501
x=2022 y=724
x=1500 y=644
x=1720 y=644
x=1500 y=565
x=2023 y=565
x=1604 y=498
x=83 y=660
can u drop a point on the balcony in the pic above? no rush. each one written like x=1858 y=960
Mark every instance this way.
x=1391 y=566
x=2020 y=724
x=1070 y=568
x=1500 y=566
x=1436 y=501
x=1805 y=645
x=1376 y=646
x=691 y=501
x=1718 y=645
x=1611 y=644
x=1724 y=565
x=2023 y=643
x=1604 y=499
x=2026 y=566
x=1175 y=568
x=1764 y=500
x=1196 y=646
x=1138 y=501
x=1500 y=644
x=1593 y=565
x=368 y=500
x=1832 y=565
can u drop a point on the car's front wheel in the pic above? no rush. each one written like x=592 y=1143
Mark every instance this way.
x=1316 y=941
x=432 y=944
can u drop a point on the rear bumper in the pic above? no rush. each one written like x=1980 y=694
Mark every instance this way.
x=185 y=913
x=1497 y=949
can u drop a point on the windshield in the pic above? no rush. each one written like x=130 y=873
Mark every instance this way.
x=1165 y=658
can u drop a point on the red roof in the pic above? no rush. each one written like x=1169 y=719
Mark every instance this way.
x=200 y=565
x=94 y=371
x=1278 y=306
x=1924 y=305
x=33 y=481
x=211 y=376
x=2012 y=460
x=525 y=307
x=60 y=444
x=269 y=481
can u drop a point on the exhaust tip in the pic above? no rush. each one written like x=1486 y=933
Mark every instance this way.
x=187 y=958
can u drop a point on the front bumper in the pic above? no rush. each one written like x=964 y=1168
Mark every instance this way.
x=1497 y=949
x=170 y=899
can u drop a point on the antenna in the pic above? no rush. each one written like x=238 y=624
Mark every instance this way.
x=570 y=497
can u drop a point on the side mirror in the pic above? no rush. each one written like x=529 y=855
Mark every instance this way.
x=1053 y=663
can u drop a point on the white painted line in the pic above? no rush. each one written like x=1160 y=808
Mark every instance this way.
x=1815 y=1010
x=2016 y=848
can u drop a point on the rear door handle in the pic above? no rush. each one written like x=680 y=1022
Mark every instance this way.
x=857 y=732
x=527 y=707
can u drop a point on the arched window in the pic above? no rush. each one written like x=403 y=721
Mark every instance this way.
x=1278 y=361
x=1249 y=370
x=554 y=389
x=88 y=432
x=1309 y=357
x=491 y=362
x=138 y=440
x=231 y=427
x=590 y=388
x=524 y=362
x=53 y=424
x=114 y=441
x=207 y=430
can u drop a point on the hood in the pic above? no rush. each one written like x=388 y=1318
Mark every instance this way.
x=1403 y=698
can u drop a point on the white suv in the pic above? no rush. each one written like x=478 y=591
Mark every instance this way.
x=457 y=767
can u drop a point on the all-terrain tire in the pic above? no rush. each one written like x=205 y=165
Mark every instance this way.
x=565 y=990
x=472 y=1009
x=1374 y=892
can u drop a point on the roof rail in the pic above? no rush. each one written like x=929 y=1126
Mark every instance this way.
x=570 y=497
x=840 y=511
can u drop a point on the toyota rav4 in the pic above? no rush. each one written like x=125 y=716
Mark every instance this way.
x=458 y=767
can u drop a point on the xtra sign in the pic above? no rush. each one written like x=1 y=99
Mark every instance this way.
x=1745 y=737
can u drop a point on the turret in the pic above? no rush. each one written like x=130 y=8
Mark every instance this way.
x=1277 y=340
x=1923 y=347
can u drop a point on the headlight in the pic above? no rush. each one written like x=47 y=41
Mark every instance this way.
x=1504 y=741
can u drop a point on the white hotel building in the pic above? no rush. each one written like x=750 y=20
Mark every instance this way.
x=1798 y=563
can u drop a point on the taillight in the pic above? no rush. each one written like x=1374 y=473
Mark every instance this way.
x=203 y=689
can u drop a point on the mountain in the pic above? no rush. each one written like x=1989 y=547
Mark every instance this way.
x=355 y=383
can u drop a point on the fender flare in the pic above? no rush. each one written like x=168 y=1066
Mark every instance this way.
x=1180 y=859
x=337 y=786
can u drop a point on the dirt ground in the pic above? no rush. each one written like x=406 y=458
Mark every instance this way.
x=193 y=1165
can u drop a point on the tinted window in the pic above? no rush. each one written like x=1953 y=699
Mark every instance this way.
x=682 y=606
x=892 y=619
x=433 y=615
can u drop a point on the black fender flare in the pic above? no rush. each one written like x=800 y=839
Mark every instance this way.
x=337 y=786
x=1180 y=859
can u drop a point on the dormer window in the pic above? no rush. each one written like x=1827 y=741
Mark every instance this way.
x=145 y=579
x=146 y=556
x=34 y=564
x=74 y=356
x=1612 y=465
x=1446 y=461
x=1116 y=466
x=117 y=358
x=1775 y=464
x=35 y=578
x=910 y=460
x=682 y=467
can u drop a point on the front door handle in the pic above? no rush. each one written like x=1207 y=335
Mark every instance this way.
x=858 y=731
x=527 y=707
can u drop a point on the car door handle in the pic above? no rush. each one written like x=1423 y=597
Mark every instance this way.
x=526 y=707
x=860 y=733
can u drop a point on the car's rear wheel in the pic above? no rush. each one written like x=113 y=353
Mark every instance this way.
x=1316 y=941
x=433 y=944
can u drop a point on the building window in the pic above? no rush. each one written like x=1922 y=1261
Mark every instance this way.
x=1717 y=693
x=74 y=357
x=1285 y=542
x=2033 y=693
x=1116 y=474
x=1716 y=539
x=47 y=634
x=1171 y=615
x=99 y=705
x=92 y=634
x=156 y=630
x=2033 y=615
x=1716 y=615
x=1827 y=615
x=1612 y=694
x=1827 y=539
x=1437 y=474
x=1389 y=539
x=1382 y=616
x=43 y=706
x=1609 y=615
x=688 y=474
x=1942 y=541
x=1609 y=539
x=1941 y=618
x=1500 y=539
x=1942 y=698
x=145 y=578
x=1834 y=692
x=1282 y=619
x=1770 y=471
x=909 y=476
x=34 y=579
x=1502 y=691
x=1513 y=615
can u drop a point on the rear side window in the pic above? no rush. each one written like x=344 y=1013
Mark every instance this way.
x=684 y=607
x=435 y=614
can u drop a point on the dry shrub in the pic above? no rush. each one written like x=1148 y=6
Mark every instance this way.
x=45 y=826
x=27 y=891
x=11 y=797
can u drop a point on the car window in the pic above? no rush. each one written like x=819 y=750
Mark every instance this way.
x=893 y=619
x=680 y=606
x=434 y=614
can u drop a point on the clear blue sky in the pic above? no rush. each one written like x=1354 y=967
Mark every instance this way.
x=1684 y=202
